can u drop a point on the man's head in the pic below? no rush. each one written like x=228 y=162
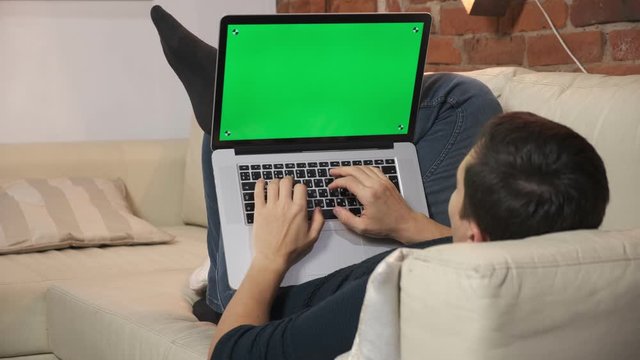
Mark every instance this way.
x=527 y=176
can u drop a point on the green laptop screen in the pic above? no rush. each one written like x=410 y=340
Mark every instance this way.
x=284 y=81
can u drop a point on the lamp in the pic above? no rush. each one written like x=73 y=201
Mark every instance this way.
x=486 y=7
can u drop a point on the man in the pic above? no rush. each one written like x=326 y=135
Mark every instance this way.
x=525 y=176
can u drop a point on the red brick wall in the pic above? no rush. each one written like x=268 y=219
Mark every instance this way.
x=603 y=34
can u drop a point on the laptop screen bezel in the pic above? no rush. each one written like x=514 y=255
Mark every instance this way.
x=424 y=18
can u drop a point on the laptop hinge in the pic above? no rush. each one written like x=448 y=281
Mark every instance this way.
x=288 y=148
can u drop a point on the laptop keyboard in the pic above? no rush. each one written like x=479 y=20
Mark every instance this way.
x=315 y=175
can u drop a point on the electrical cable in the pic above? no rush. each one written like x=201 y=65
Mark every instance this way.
x=555 y=31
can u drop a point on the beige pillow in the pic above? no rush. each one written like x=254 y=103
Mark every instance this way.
x=43 y=214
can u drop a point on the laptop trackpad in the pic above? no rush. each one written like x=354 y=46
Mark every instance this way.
x=334 y=250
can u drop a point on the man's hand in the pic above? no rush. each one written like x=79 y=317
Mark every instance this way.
x=281 y=236
x=385 y=212
x=281 y=233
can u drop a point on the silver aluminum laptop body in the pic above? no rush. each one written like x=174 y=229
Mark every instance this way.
x=337 y=246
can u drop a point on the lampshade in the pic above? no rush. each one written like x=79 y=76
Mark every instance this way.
x=486 y=7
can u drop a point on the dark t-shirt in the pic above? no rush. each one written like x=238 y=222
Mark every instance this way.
x=314 y=320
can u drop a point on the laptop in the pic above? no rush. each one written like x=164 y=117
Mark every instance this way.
x=297 y=95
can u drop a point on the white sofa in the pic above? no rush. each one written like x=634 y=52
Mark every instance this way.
x=132 y=315
x=454 y=302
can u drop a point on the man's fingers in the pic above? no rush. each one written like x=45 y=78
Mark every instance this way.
x=273 y=191
x=348 y=219
x=357 y=172
x=286 y=188
x=343 y=171
x=300 y=194
x=258 y=193
x=317 y=221
x=349 y=183
x=374 y=172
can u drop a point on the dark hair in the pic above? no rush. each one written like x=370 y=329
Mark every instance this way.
x=529 y=176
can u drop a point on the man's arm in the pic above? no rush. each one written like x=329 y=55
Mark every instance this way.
x=252 y=301
x=386 y=213
x=281 y=236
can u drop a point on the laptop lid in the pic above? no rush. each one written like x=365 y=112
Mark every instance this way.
x=325 y=79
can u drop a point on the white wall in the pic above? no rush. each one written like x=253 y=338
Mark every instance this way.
x=94 y=70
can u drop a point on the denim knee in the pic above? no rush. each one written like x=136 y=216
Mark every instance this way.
x=453 y=109
x=460 y=88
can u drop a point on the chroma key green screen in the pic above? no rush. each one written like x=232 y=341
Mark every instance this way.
x=284 y=81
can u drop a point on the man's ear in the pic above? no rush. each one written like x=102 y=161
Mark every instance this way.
x=475 y=234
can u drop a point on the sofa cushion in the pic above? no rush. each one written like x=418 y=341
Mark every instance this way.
x=571 y=295
x=142 y=317
x=497 y=78
x=24 y=279
x=43 y=214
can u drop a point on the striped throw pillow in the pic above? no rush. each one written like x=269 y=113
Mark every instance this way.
x=44 y=214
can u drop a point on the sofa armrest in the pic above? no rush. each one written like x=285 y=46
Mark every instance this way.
x=569 y=295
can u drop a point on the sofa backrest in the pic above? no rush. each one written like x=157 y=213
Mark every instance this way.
x=571 y=295
x=164 y=178
x=152 y=170
x=603 y=109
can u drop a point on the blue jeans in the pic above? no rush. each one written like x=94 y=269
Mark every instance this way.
x=452 y=110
